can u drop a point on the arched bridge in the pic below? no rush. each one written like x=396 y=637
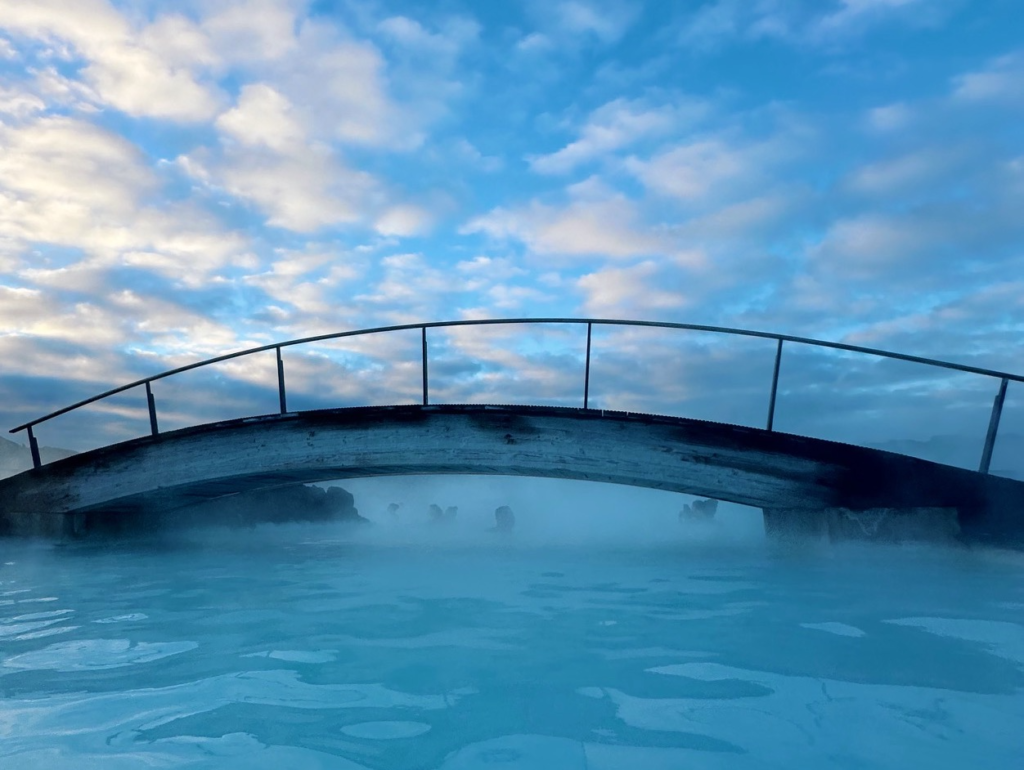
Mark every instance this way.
x=800 y=482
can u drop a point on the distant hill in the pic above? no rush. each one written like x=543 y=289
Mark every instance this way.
x=1008 y=458
x=15 y=458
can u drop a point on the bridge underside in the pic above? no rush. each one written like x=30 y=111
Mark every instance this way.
x=792 y=478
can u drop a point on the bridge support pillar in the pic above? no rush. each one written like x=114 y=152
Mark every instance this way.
x=873 y=524
x=73 y=525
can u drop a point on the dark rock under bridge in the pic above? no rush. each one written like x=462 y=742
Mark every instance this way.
x=801 y=484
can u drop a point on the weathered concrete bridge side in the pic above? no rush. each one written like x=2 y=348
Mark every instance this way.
x=796 y=480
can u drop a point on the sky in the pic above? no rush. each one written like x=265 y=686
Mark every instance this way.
x=183 y=179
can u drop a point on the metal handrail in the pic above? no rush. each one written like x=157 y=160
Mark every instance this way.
x=1005 y=377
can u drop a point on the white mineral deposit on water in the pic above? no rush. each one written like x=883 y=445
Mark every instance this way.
x=410 y=647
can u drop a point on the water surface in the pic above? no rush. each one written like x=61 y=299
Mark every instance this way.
x=292 y=647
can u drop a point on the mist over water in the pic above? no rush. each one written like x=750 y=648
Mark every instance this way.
x=548 y=512
x=601 y=633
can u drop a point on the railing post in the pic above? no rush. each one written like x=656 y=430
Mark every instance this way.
x=993 y=427
x=152 y=410
x=775 y=386
x=586 y=375
x=33 y=447
x=423 y=330
x=280 y=382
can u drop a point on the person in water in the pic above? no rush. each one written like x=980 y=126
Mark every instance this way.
x=436 y=514
x=702 y=510
x=451 y=512
x=504 y=519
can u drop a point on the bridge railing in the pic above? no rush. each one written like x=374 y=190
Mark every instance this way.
x=1004 y=378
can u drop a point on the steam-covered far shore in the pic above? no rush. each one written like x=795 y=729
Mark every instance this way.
x=16 y=458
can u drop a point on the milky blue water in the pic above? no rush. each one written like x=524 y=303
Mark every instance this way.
x=288 y=647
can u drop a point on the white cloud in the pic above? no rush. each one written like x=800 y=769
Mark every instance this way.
x=535 y=42
x=412 y=289
x=879 y=247
x=340 y=90
x=261 y=117
x=704 y=170
x=571 y=22
x=504 y=297
x=493 y=268
x=745 y=218
x=643 y=290
x=253 y=31
x=122 y=71
x=1000 y=82
x=70 y=164
x=613 y=126
x=137 y=82
x=60 y=91
x=179 y=41
x=606 y=226
x=19 y=103
x=714 y=22
x=858 y=12
x=299 y=182
x=66 y=182
x=307 y=282
x=403 y=221
x=456 y=33
x=466 y=151
x=904 y=173
x=690 y=171
x=890 y=117
x=303 y=191
x=803 y=21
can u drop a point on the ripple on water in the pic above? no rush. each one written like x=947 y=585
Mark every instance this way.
x=386 y=731
x=839 y=629
x=1005 y=640
x=295 y=656
x=90 y=654
x=129 y=618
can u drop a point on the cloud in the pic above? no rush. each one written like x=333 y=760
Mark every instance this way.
x=890 y=117
x=690 y=171
x=646 y=290
x=18 y=103
x=857 y=14
x=906 y=173
x=616 y=125
x=594 y=222
x=304 y=288
x=65 y=182
x=339 y=87
x=253 y=31
x=1001 y=81
x=456 y=34
x=605 y=20
x=412 y=289
x=304 y=191
x=262 y=116
x=705 y=169
x=467 y=152
x=121 y=69
x=803 y=22
x=494 y=268
x=403 y=221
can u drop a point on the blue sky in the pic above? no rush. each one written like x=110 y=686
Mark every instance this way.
x=182 y=179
